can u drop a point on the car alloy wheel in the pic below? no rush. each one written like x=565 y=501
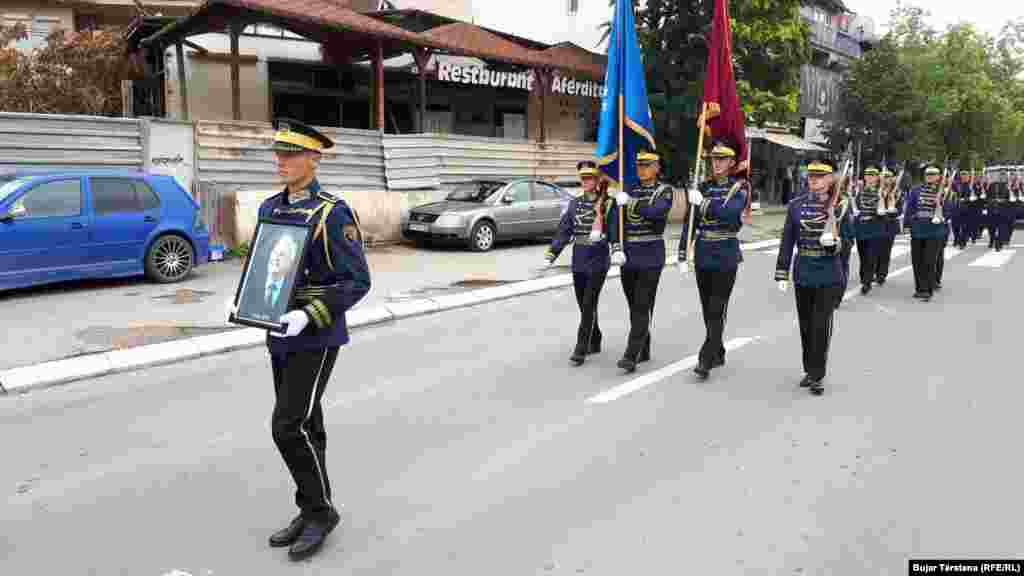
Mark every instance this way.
x=169 y=259
x=483 y=237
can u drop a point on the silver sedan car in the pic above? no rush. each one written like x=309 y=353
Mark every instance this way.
x=482 y=212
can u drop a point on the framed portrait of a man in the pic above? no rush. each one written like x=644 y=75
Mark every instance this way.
x=267 y=286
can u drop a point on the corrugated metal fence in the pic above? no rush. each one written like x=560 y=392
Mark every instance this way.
x=424 y=161
x=40 y=142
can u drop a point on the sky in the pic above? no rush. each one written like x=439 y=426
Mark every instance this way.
x=987 y=15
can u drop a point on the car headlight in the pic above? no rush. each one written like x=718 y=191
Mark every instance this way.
x=450 y=220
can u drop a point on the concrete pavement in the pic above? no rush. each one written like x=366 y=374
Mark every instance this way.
x=483 y=452
x=52 y=323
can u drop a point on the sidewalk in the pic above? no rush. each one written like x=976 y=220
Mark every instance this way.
x=88 y=318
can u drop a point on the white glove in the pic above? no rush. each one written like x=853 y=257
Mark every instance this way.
x=596 y=235
x=622 y=198
x=296 y=321
x=618 y=258
x=783 y=285
x=827 y=240
x=984 y=212
x=696 y=197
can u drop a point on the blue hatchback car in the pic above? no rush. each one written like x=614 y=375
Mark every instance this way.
x=69 y=226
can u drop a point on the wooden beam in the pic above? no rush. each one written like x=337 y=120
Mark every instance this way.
x=182 y=81
x=543 y=76
x=422 y=56
x=378 y=74
x=195 y=46
x=236 y=89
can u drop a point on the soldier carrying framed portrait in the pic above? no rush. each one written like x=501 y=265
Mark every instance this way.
x=266 y=289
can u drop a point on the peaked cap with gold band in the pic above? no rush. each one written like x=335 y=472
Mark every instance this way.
x=888 y=173
x=720 y=150
x=819 y=168
x=587 y=168
x=294 y=136
x=871 y=171
x=932 y=170
x=646 y=158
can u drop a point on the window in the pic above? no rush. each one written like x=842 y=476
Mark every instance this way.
x=56 y=199
x=37 y=28
x=545 y=192
x=574 y=7
x=121 y=196
x=148 y=198
x=519 y=192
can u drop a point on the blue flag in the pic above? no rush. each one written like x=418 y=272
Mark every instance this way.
x=625 y=99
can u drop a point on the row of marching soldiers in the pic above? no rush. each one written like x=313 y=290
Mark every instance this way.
x=818 y=236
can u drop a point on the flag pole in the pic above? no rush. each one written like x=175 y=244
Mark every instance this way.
x=690 y=256
x=622 y=137
x=622 y=177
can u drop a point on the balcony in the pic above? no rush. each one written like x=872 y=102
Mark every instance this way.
x=835 y=40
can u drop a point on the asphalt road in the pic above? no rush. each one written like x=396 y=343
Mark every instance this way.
x=463 y=444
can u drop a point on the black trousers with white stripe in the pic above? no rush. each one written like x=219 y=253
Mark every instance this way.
x=588 y=292
x=715 y=289
x=297 y=424
x=640 y=288
x=816 y=309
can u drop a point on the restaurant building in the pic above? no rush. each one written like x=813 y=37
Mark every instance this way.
x=399 y=71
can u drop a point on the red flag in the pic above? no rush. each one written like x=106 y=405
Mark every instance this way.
x=724 y=115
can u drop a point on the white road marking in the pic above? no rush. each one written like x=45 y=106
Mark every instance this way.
x=994 y=259
x=646 y=380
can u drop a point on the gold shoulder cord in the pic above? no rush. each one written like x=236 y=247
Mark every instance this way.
x=320 y=229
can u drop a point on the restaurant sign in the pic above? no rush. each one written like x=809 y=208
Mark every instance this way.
x=479 y=76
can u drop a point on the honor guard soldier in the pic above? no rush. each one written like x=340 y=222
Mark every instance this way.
x=1001 y=214
x=949 y=207
x=847 y=238
x=891 y=220
x=1016 y=185
x=962 y=221
x=926 y=232
x=817 y=270
x=335 y=278
x=870 y=228
x=646 y=211
x=719 y=205
x=585 y=225
x=975 y=206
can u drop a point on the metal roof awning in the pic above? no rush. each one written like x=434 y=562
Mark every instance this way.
x=786 y=140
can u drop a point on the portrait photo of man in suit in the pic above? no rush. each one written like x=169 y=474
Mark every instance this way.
x=271 y=276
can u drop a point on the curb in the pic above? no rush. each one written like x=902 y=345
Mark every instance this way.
x=47 y=374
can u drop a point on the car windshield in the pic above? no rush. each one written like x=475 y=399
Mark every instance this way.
x=475 y=192
x=8 y=186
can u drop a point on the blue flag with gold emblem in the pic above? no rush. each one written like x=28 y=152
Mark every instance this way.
x=625 y=102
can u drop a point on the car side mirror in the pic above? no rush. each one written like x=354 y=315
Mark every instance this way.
x=507 y=200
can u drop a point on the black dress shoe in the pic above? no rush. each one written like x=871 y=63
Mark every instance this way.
x=806 y=382
x=287 y=536
x=918 y=295
x=865 y=288
x=880 y=281
x=702 y=372
x=926 y=297
x=313 y=535
x=816 y=387
x=627 y=364
x=938 y=285
x=578 y=355
x=717 y=362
